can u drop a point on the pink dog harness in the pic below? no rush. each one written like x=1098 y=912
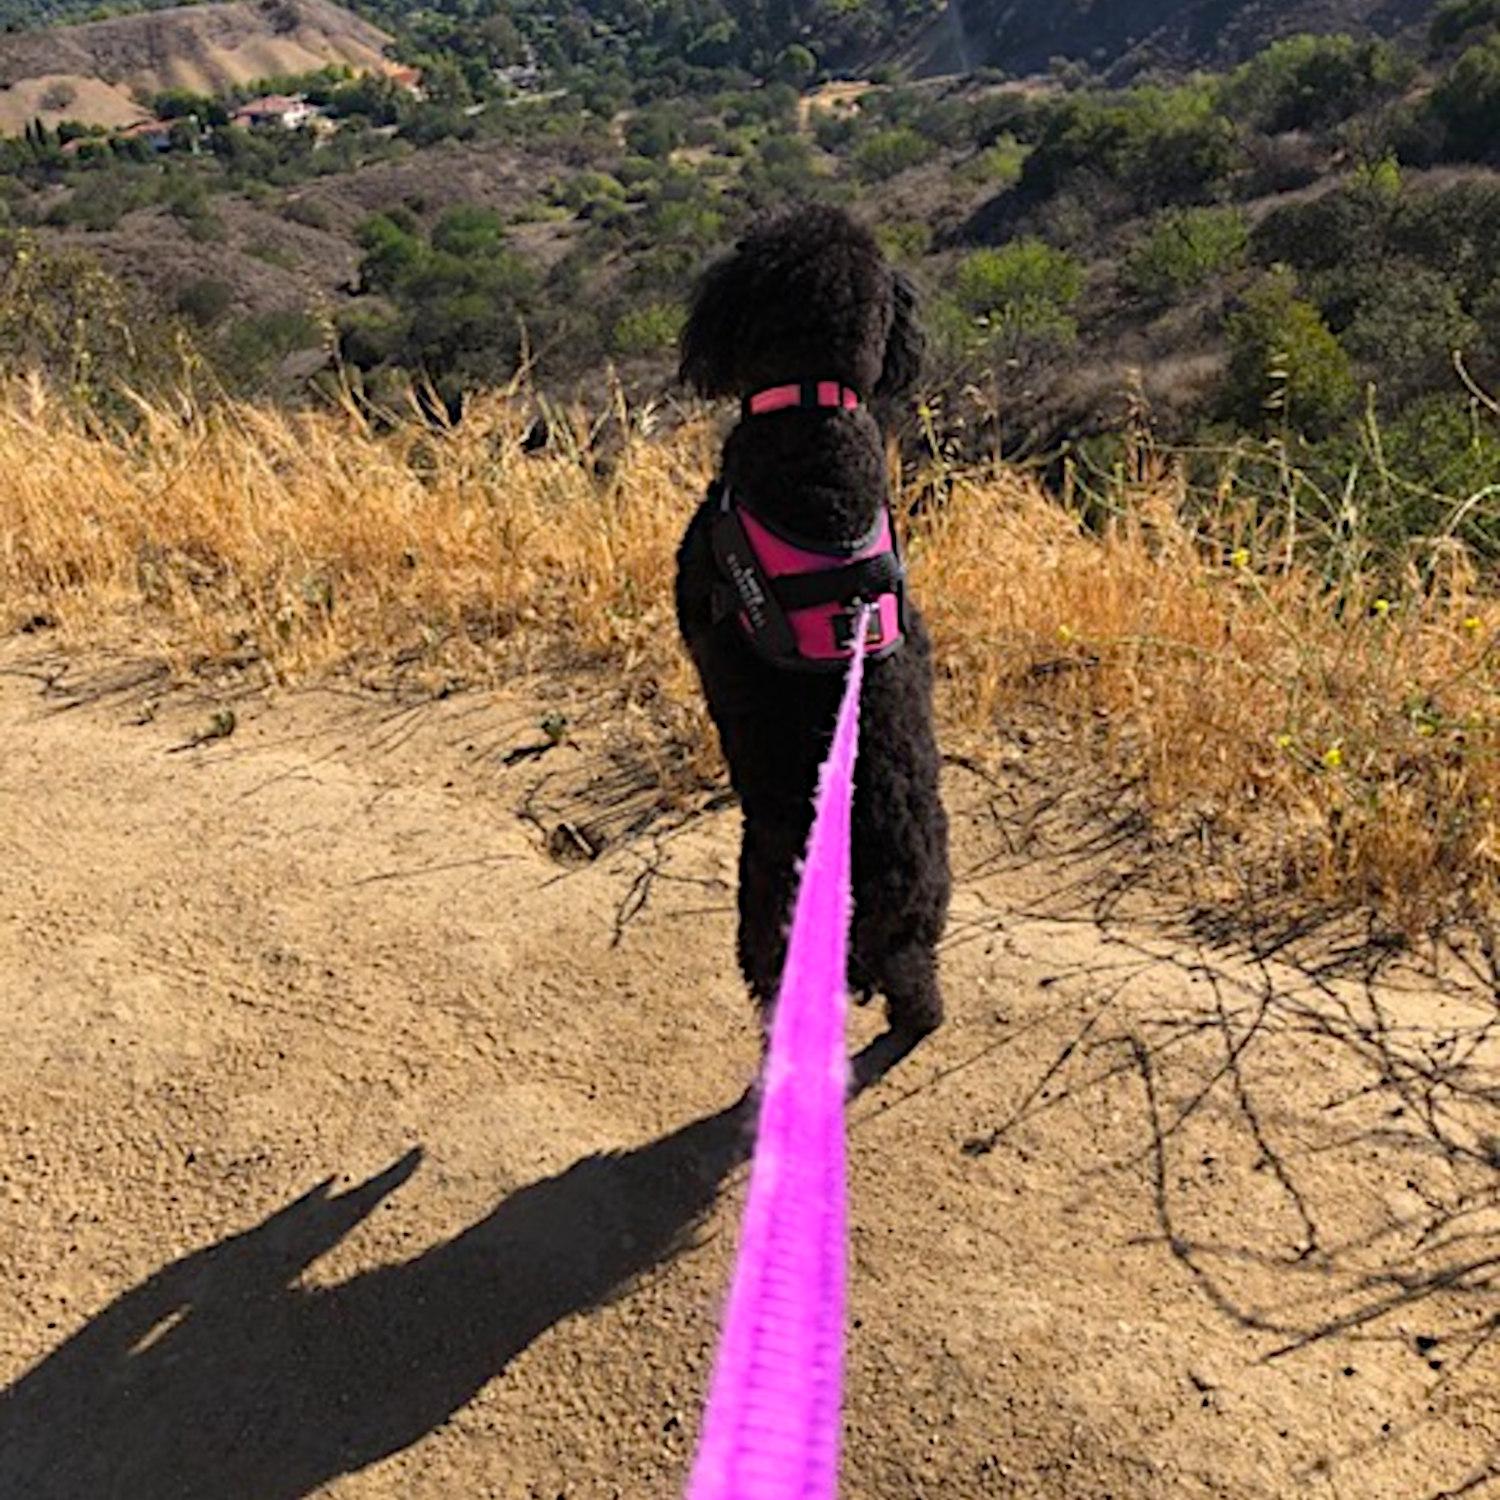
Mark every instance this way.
x=798 y=600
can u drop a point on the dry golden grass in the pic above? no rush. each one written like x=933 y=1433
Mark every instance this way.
x=1347 y=736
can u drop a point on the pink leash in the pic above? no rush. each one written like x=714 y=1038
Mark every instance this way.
x=771 y=1428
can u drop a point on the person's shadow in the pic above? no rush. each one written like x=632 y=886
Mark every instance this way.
x=220 y=1377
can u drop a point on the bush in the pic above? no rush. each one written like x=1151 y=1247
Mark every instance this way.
x=1454 y=231
x=1285 y=364
x=1185 y=248
x=1456 y=19
x=251 y=345
x=1406 y=329
x=652 y=329
x=1467 y=102
x=1312 y=82
x=1325 y=233
x=999 y=165
x=905 y=242
x=890 y=152
x=654 y=134
x=308 y=212
x=205 y=301
x=796 y=65
x=462 y=295
x=1026 y=271
x=1014 y=299
x=1163 y=145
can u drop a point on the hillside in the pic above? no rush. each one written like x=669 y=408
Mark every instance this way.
x=1127 y=36
x=97 y=73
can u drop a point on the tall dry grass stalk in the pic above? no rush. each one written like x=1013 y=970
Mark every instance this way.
x=1347 y=735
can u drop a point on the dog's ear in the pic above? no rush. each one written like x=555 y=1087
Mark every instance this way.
x=905 y=343
x=714 y=330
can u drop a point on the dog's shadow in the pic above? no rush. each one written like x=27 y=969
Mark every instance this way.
x=221 y=1377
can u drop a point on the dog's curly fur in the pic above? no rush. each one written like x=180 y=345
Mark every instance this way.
x=808 y=296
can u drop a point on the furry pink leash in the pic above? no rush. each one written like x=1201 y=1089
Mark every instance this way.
x=772 y=1424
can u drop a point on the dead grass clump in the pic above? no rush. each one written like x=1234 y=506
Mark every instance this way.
x=1349 y=733
x=1346 y=735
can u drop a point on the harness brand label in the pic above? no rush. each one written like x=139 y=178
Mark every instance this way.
x=747 y=585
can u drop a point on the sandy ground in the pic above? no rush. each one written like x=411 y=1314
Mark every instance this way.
x=361 y=1136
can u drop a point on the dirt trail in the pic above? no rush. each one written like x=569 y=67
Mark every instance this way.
x=353 y=1143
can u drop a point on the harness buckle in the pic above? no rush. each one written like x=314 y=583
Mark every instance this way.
x=845 y=621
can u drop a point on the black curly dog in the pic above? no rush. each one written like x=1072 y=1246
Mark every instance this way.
x=808 y=297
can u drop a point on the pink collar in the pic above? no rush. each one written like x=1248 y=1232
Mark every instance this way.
x=815 y=393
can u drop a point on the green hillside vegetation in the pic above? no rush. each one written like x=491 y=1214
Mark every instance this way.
x=1293 y=259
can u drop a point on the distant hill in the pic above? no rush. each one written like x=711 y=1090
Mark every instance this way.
x=1125 y=37
x=99 y=73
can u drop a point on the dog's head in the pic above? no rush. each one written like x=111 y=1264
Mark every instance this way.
x=806 y=295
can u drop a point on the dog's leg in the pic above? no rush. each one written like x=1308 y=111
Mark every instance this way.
x=913 y=996
x=768 y=868
x=914 y=1009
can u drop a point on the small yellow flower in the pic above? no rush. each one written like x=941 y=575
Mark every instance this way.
x=1065 y=633
x=1472 y=623
x=1240 y=557
x=1283 y=742
x=1426 y=730
x=1382 y=607
x=1333 y=757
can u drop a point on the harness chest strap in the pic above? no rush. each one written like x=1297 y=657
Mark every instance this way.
x=796 y=600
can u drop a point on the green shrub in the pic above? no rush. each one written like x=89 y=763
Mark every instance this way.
x=1456 y=19
x=654 y=134
x=1311 y=82
x=652 y=329
x=1023 y=272
x=1285 y=366
x=308 y=212
x=999 y=165
x=796 y=65
x=1467 y=102
x=1160 y=145
x=906 y=241
x=1013 y=299
x=890 y=152
x=1183 y=249
x=205 y=301
x=1406 y=329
